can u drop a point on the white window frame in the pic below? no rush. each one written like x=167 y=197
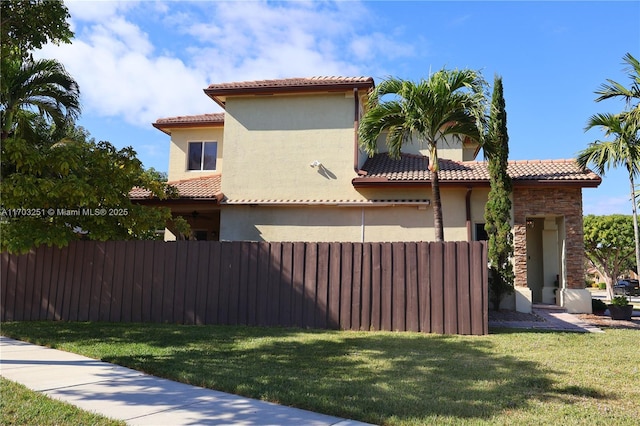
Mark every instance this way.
x=202 y=157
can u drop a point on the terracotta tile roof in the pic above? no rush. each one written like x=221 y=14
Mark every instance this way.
x=201 y=188
x=285 y=83
x=201 y=120
x=219 y=91
x=328 y=202
x=413 y=168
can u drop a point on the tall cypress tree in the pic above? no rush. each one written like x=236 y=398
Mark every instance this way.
x=498 y=209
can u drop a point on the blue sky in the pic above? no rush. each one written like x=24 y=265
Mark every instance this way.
x=139 y=61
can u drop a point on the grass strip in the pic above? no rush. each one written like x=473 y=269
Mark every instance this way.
x=22 y=406
x=509 y=377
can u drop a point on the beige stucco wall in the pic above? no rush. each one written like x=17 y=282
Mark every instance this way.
x=451 y=149
x=271 y=142
x=179 y=149
x=333 y=223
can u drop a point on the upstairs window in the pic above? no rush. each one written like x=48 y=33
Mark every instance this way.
x=202 y=155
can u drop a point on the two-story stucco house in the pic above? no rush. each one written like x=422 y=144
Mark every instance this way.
x=282 y=163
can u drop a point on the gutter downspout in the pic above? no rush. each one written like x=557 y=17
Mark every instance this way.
x=468 y=207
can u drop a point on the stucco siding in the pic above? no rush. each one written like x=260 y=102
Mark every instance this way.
x=273 y=140
x=179 y=149
x=355 y=224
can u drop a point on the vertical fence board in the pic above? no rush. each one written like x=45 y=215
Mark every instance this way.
x=286 y=285
x=346 y=285
x=398 y=305
x=147 y=280
x=58 y=272
x=386 y=287
x=436 y=272
x=424 y=287
x=128 y=283
x=37 y=285
x=201 y=283
x=76 y=283
x=28 y=286
x=189 y=284
x=47 y=255
x=67 y=294
x=322 y=288
x=463 y=283
x=85 y=285
x=213 y=284
x=18 y=291
x=180 y=281
x=365 y=299
x=450 y=288
x=9 y=312
x=168 y=282
x=117 y=300
x=233 y=284
x=376 y=286
x=298 y=284
x=4 y=278
x=226 y=256
x=243 y=285
x=335 y=256
x=479 y=289
x=356 y=289
x=264 y=259
x=107 y=281
x=138 y=277
x=97 y=250
x=252 y=284
x=411 y=276
x=310 y=282
x=273 y=290
x=157 y=283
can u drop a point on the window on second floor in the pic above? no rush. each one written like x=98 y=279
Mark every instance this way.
x=202 y=155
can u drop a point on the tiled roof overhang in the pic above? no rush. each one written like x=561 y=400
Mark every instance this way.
x=189 y=121
x=219 y=92
x=412 y=171
x=204 y=188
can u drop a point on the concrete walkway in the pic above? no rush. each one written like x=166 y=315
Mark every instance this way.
x=137 y=398
x=552 y=318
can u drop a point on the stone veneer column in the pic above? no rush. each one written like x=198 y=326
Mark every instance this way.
x=545 y=201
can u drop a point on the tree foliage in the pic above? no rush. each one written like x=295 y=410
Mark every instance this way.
x=631 y=95
x=498 y=208
x=609 y=245
x=54 y=192
x=450 y=103
x=26 y=25
x=42 y=85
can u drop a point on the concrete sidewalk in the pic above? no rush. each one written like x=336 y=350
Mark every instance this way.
x=137 y=398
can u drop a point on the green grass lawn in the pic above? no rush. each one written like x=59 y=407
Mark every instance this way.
x=21 y=406
x=509 y=377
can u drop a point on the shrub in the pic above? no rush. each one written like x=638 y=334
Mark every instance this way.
x=602 y=286
x=619 y=301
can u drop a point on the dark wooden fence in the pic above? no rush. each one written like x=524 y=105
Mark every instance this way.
x=427 y=287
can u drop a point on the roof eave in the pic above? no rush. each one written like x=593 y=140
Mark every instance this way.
x=219 y=95
x=378 y=182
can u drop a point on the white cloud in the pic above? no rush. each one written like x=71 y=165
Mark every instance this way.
x=139 y=61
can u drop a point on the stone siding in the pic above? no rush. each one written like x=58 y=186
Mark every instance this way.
x=566 y=202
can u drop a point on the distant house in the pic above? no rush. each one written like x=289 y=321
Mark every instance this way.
x=282 y=163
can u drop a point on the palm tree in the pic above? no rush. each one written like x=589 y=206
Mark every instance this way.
x=447 y=104
x=624 y=150
x=43 y=85
x=613 y=89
